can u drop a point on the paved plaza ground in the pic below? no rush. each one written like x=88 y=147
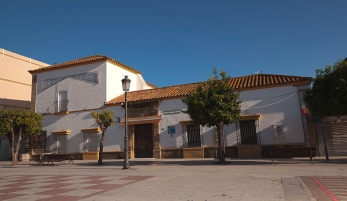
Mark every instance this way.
x=177 y=179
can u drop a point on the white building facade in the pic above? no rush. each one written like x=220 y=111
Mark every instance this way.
x=272 y=109
x=67 y=93
x=273 y=114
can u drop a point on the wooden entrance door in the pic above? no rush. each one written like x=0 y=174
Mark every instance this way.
x=143 y=141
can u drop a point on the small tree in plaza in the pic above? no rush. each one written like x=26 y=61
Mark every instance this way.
x=17 y=123
x=104 y=119
x=214 y=103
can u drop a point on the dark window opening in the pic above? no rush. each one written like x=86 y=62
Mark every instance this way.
x=193 y=134
x=248 y=132
x=36 y=141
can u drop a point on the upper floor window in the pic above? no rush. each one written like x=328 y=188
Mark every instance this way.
x=62 y=102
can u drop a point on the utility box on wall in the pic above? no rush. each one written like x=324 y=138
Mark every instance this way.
x=278 y=130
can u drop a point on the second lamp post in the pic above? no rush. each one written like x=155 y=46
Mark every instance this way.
x=126 y=86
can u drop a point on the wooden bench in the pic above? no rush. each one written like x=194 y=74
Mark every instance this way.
x=290 y=152
x=50 y=158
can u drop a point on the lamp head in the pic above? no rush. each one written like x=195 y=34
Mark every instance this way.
x=126 y=83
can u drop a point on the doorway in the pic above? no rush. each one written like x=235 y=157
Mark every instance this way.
x=143 y=141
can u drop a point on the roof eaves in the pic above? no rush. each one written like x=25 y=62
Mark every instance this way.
x=128 y=68
x=151 y=85
x=72 y=63
x=84 y=60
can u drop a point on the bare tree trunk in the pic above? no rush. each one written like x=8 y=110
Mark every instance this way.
x=101 y=153
x=101 y=147
x=221 y=154
x=14 y=160
x=15 y=147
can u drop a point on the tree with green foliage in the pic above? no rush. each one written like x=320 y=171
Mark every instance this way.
x=214 y=103
x=104 y=119
x=328 y=94
x=17 y=123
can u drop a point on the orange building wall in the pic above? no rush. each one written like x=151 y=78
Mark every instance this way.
x=15 y=80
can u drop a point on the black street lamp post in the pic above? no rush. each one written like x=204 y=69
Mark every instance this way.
x=126 y=86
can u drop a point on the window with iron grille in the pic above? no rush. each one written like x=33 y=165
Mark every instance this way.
x=36 y=141
x=193 y=135
x=59 y=144
x=90 y=142
x=248 y=132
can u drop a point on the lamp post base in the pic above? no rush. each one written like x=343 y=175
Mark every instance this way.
x=126 y=167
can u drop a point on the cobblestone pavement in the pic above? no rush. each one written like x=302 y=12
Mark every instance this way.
x=196 y=179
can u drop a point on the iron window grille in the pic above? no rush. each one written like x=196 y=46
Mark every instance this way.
x=193 y=135
x=36 y=141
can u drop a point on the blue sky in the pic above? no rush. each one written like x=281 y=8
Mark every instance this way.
x=177 y=42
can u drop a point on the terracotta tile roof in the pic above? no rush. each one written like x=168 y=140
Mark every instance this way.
x=81 y=61
x=242 y=83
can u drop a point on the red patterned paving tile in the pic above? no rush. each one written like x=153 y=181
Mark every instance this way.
x=61 y=198
x=94 y=177
x=334 y=187
x=14 y=180
x=106 y=186
x=137 y=178
x=60 y=177
x=3 y=190
x=57 y=185
x=12 y=190
x=132 y=182
x=30 y=176
x=316 y=191
x=9 y=196
x=94 y=182
x=26 y=182
x=326 y=188
x=56 y=191
x=33 y=177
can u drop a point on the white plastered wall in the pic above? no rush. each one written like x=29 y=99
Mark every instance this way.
x=75 y=122
x=179 y=139
x=114 y=78
x=81 y=94
x=274 y=105
x=278 y=105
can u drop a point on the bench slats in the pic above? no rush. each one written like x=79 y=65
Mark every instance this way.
x=50 y=158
